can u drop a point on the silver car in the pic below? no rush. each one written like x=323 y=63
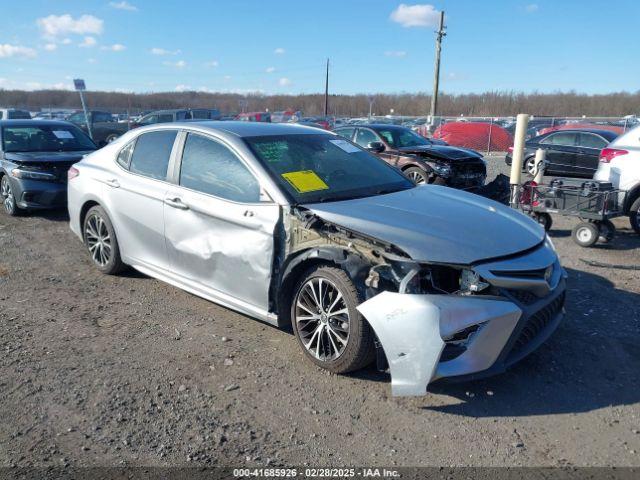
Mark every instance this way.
x=294 y=226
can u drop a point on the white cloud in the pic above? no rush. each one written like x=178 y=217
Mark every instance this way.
x=116 y=47
x=50 y=47
x=178 y=64
x=88 y=42
x=279 y=51
x=211 y=64
x=284 y=82
x=228 y=77
x=66 y=41
x=60 y=86
x=531 y=8
x=183 y=88
x=123 y=6
x=416 y=15
x=395 y=53
x=54 y=26
x=91 y=60
x=7 y=50
x=270 y=69
x=162 y=51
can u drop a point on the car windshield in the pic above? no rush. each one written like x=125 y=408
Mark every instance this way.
x=324 y=168
x=401 y=137
x=45 y=138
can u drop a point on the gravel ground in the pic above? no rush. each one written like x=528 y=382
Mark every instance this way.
x=123 y=371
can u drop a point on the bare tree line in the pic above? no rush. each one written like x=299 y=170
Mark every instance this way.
x=470 y=104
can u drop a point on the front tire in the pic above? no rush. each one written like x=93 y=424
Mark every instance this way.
x=329 y=328
x=417 y=175
x=8 y=198
x=100 y=239
x=634 y=215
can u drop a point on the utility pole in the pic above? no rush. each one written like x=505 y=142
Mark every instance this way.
x=436 y=74
x=326 y=92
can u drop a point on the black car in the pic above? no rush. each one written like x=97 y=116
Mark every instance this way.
x=35 y=156
x=421 y=159
x=571 y=153
x=104 y=127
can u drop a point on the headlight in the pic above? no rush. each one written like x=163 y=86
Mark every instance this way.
x=32 y=174
x=442 y=169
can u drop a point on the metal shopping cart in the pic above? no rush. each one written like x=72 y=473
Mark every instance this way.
x=595 y=203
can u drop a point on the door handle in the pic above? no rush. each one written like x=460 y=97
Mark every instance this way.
x=176 y=202
x=113 y=183
x=249 y=213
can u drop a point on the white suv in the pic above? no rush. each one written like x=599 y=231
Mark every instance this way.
x=620 y=165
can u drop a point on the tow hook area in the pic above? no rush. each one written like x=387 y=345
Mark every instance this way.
x=411 y=329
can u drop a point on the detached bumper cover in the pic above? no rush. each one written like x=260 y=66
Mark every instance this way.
x=411 y=329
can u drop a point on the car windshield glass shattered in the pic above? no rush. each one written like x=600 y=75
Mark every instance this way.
x=401 y=138
x=45 y=138
x=323 y=168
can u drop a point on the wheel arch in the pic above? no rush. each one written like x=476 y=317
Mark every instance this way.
x=86 y=206
x=300 y=262
x=632 y=196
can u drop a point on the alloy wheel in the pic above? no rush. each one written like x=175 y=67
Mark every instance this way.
x=322 y=319
x=417 y=177
x=7 y=195
x=530 y=165
x=98 y=240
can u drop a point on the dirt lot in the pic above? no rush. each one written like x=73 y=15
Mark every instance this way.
x=99 y=370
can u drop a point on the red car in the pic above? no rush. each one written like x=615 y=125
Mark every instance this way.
x=475 y=135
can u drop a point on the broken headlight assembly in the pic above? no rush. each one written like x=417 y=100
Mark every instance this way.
x=414 y=278
x=442 y=169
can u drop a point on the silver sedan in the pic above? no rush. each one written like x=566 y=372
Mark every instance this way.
x=296 y=226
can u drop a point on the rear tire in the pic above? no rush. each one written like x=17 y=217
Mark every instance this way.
x=634 y=215
x=585 y=234
x=100 y=239
x=327 y=325
x=8 y=198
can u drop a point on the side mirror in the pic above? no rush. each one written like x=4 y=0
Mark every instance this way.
x=375 y=147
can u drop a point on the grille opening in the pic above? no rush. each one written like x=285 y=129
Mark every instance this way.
x=536 y=324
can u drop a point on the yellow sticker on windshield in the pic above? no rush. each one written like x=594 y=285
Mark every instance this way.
x=305 y=181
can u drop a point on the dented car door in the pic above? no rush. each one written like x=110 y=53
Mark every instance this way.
x=217 y=229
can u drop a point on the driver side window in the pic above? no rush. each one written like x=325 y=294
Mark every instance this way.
x=210 y=167
x=364 y=137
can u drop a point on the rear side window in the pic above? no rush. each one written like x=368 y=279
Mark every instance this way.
x=165 y=118
x=210 y=167
x=151 y=154
x=125 y=155
x=346 y=132
x=590 y=140
x=18 y=115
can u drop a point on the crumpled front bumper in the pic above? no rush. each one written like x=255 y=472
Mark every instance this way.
x=411 y=329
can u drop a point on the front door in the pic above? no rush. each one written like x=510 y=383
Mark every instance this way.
x=561 y=152
x=218 y=233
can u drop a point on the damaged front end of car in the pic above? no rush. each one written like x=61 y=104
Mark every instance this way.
x=440 y=320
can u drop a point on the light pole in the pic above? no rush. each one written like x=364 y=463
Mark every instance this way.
x=436 y=74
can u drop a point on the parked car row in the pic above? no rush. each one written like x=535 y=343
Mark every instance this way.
x=298 y=226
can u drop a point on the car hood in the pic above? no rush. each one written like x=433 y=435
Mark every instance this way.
x=445 y=152
x=437 y=224
x=49 y=157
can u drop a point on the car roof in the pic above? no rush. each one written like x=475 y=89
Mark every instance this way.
x=250 y=129
x=604 y=133
x=375 y=126
x=26 y=123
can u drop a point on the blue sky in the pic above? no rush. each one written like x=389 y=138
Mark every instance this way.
x=280 y=46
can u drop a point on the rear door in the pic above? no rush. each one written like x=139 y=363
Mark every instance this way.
x=561 y=149
x=136 y=197
x=589 y=147
x=219 y=234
